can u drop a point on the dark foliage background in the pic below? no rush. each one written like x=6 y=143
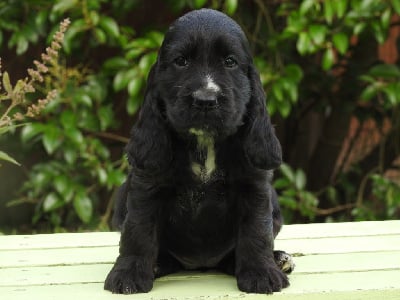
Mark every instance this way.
x=330 y=69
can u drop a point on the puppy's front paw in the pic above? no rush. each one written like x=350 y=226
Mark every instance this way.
x=123 y=279
x=284 y=261
x=262 y=281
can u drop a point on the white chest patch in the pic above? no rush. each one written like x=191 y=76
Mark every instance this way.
x=205 y=143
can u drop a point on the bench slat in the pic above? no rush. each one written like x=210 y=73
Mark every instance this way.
x=224 y=287
x=348 y=262
x=62 y=256
x=298 y=231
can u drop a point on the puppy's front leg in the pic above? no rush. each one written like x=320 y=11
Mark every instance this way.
x=133 y=270
x=256 y=270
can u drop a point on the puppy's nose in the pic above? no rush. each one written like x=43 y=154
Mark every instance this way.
x=205 y=98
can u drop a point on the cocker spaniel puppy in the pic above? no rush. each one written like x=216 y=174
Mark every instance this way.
x=202 y=152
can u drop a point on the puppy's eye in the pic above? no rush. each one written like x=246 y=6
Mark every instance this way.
x=230 y=62
x=181 y=61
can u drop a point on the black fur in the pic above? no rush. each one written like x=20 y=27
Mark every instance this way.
x=173 y=218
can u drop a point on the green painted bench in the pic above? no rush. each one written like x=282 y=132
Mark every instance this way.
x=359 y=260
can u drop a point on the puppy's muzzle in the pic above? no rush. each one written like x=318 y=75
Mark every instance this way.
x=205 y=98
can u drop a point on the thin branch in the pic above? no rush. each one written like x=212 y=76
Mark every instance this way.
x=110 y=136
x=332 y=210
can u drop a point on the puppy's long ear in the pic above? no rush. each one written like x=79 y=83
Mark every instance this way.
x=261 y=145
x=149 y=148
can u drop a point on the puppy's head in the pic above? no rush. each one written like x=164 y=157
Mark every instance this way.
x=204 y=80
x=202 y=73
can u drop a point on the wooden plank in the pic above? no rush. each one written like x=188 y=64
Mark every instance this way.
x=71 y=256
x=303 y=286
x=345 y=229
x=349 y=262
x=340 y=244
x=298 y=231
x=57 y=257
x=59 y=240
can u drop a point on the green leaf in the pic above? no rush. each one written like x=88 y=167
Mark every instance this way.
x=61 y=6
x=358 y=28
x=115 y=178
x=61 y=184
x=199 y=3
x=317 y=33
x=6 y=83
x=300 y=179
x=288 y=202
x=134 y=53
x=272 y=107
x=146 y=62
x=294 y=72
x=11 y=127
x=156 y=37
x=367 y=78
x=134 y=86
x=340 y=6
x=4 y=156
x=51 y=138
x=341 y=42
x=289 y=192
x=369 y=92
x=386 y=71
x=287 y=172
x=144 y=43
x=379 y=32
x=296 y=23
x=132 y=105
x=281 y=183
x=284 y=108
x=31 y=130
x=230 y=6
x=83 y=207
x=100 y=35
x=70 y=155
x=332 y=194
x=22 y=45
x=122 y=78
x=84 y=99
x=116 y=63
x=392 y=91
x=110 y=26
x=303 y=43
x=277 y=90
x=106 y=117
x=291 y=89
x=75 y=135
x=396 y=6
x=94 y=17
x=306 y=5
x=68 y=119
x=70 y=35
x=385 y=18
x=328 y=59
x=102 y=175
x=328 y=10
x=51 y=202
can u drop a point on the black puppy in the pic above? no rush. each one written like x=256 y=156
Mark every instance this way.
x=198 y=194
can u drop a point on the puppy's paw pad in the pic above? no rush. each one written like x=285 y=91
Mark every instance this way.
x=284 y=261
x=264 y=281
